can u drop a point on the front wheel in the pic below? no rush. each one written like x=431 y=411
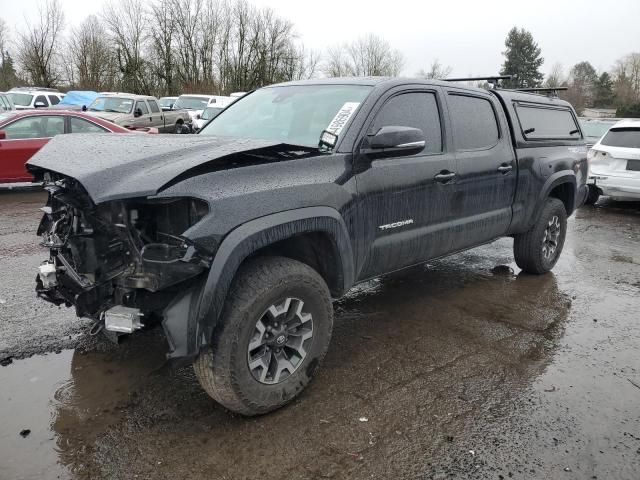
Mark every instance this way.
x=274 y=331
x=538 y=250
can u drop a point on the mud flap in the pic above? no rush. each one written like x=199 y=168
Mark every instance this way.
x=180 y=326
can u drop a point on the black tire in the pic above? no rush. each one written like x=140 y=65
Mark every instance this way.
x=260 y=284
x=593 y=194
x=529 y=248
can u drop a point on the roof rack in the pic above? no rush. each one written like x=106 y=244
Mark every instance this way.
x=551 y=91
x=492 y=80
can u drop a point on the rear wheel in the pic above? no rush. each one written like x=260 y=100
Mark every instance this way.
x=593 y=194
x=538 y=250
x=274 y=332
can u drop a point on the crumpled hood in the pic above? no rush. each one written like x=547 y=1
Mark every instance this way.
x=112 y=167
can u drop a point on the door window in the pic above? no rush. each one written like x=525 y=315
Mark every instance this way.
x=54 y=99
x=475 y=126
x=413 y=109
x=154 y=106
x=42 y=126
x=143 y=107
x=80 y=125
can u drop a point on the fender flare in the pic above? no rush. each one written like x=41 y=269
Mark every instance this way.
x=558 y=178
x=247 y=239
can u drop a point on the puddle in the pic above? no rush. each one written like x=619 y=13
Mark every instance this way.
x=65 y=400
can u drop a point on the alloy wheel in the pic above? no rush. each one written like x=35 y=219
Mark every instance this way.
x=280 y=341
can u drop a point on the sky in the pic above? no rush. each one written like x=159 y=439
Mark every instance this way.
x=466 y=35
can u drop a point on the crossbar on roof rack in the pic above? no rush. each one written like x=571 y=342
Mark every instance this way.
x=490 y=78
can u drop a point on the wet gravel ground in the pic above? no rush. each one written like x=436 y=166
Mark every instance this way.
x=461 y=368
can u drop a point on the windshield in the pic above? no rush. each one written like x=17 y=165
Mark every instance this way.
x=111 y=104
x=191 y=103
x=20 y=99
x=211 y=112
x=595 y=129
x=622 y=137
x=292 y=114
x=166 y=102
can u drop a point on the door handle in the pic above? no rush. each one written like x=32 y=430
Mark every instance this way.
x=504 y=169
x=445 y=176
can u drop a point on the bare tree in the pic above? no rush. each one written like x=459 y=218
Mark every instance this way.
x=162 y=32
x=436 y=71
x=38 y=46
x=126 y=24
x=336 y=64
x=626 y=79
x=556 y=77
x=90 y=61
x=370 y=55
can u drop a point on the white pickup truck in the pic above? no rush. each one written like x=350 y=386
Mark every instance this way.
x=137 y=111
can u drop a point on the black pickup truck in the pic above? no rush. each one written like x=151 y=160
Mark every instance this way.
x=237 y=239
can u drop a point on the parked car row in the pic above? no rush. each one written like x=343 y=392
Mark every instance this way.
x=23 y=133
x=30 y=117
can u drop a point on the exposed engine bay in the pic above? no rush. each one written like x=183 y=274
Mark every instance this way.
x=119 y=260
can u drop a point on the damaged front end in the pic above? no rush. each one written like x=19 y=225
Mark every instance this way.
x=121 y=262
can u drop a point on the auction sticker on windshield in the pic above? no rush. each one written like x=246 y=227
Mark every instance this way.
x=342 y=117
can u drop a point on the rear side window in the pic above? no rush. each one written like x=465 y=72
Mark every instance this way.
x=622 y=137
x=41 y=99
x=414 y=109
x=474 y=122
x=154 y=106
x=80 y=125
x=544 y=123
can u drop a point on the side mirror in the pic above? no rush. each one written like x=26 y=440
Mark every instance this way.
x=198 y=116
x=397 y=140
x=3 y=134
x=137 y=112
x=84 y=108
x=39 y=104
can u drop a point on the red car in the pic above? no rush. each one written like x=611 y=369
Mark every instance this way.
x=23 y=133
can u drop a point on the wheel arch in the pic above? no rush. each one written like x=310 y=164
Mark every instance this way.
x=561 y=185
x=301 y=234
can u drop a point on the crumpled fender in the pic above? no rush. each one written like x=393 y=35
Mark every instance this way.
x=191 y=318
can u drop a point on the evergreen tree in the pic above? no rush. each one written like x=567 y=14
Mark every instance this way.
x=8 y=77
x=603 y=94
x=522 y=58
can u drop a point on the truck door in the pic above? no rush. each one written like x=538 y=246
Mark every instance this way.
x=157 y=117
x=144 y=118
x=486 y=169
x=404 y=201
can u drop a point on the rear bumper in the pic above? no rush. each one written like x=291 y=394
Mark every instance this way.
x=617 y=187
